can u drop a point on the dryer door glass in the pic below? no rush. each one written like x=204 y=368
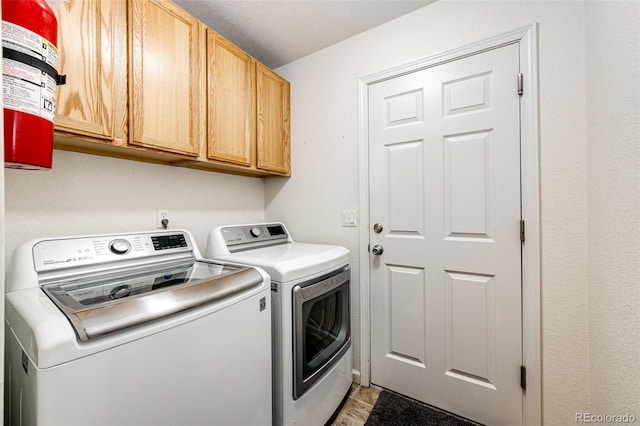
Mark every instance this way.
x=321 y=327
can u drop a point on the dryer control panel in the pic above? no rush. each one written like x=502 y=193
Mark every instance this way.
x=250 y=236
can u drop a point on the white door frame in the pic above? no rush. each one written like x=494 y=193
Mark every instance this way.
x=531 y=314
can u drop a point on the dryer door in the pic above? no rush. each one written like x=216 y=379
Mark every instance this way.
x=322 y=334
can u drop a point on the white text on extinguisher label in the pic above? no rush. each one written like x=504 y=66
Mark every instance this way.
x=25 y=88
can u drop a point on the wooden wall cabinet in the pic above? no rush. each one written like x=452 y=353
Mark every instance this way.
x=274 y=134
x=147 y=81
x=166 y=77
x=92 y=52
x=248 y=111
x=231 y=103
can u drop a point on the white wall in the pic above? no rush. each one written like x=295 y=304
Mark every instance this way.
x=613 y=132
x=86 y=194
x=325 y=158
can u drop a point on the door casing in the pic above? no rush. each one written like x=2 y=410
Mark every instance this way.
x=526 y=37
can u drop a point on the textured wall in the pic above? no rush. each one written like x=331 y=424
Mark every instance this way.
x=613 y=132
x=87 y=194
x=325 y=158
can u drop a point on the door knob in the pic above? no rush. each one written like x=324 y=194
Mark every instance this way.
x=377 y=228
x=377 y=249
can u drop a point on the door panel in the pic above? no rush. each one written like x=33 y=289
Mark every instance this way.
x=467 y=185
x=470 y=329
x=408 y=311
x=406 y=188
x=445 y=184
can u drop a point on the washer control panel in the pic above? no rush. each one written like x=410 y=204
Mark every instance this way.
x=71 y=252
x=270 y=233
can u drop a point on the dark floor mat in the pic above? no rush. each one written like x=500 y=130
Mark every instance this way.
x=392 y=409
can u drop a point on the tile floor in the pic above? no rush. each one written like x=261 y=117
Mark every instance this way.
x=357 y=407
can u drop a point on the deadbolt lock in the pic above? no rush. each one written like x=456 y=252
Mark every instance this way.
x=377 y=228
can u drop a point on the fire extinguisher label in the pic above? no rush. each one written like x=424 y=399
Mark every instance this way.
x=26 y=88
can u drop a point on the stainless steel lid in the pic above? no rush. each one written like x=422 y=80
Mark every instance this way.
x=100 y=304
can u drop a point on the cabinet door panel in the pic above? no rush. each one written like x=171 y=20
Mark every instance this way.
x=231 y=102
x=273 y=122
x=92 y=53
x=167 y=69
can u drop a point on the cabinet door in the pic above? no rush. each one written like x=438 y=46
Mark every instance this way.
x=167 y=77
x=92 y=52
x=273 y=142
x=231 y=102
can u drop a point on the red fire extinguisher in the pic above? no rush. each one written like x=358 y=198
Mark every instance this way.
x=29 y=79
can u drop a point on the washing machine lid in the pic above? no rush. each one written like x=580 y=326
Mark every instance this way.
x=100 y=304
x=292 y=261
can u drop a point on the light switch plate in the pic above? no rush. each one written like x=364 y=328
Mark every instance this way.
x=349 y=218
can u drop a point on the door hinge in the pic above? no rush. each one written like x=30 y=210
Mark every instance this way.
x=520 y=84
x=522 y=230
x=523 y=377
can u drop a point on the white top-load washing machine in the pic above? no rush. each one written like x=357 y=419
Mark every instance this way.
x=135 y=329
x=310 y=285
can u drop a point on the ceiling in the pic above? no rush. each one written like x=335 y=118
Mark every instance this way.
x=277 y=32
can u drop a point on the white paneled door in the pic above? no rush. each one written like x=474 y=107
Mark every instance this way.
x=445 y=259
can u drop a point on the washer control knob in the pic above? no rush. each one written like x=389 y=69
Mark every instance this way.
x=119 y=246
x=256 y=232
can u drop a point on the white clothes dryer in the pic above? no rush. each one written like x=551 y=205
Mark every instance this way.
x=310 y=288
x=135 y=329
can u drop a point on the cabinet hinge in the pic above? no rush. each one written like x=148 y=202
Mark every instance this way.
x=523 y=377
x=522 y=230
x=520 y=84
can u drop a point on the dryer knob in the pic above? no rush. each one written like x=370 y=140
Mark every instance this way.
x=256 y=232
